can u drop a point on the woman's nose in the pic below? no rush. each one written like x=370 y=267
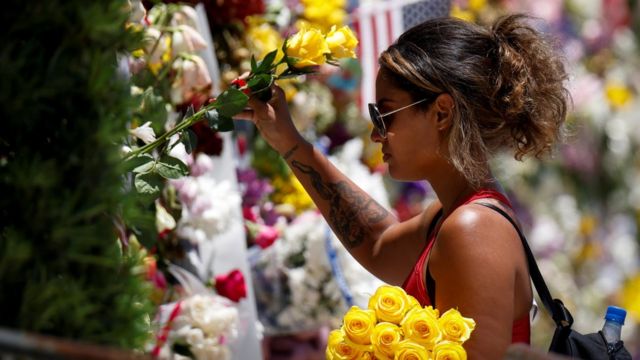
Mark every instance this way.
x=375 y=135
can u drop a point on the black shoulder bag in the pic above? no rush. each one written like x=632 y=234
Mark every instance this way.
x=565 y=340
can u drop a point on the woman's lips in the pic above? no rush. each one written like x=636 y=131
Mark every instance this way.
x=385 y=157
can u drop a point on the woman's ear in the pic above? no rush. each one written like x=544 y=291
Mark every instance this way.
x=443 y=106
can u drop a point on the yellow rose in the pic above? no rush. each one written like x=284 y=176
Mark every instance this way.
x=309 y=47
x=413 y=302
x=384 y=338
x=358 y=325
x=410 y=350
x=342 y=42
x=340 y=348
x=390 y=303
x=421 y=326
x=324 y=13
x=455 y=327
x=264 y=38
x=449 y=350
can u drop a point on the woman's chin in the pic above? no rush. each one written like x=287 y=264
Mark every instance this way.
x=397 y=174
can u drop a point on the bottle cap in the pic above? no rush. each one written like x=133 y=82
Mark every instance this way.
x=616 y=314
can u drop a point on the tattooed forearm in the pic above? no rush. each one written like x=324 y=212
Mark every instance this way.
x=288 y=154
x=351 y=213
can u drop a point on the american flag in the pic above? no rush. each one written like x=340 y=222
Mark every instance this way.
x=378 y=24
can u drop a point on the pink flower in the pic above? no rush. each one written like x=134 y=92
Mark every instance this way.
x=231 y=285
x=192 y=80
x=187 y=40
x=267 y=236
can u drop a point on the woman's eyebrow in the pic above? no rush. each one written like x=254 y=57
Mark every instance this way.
x=381 y=101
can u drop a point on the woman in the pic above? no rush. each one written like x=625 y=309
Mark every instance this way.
x=449 y=95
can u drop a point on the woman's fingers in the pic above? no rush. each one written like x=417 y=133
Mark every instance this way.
x=258 y=110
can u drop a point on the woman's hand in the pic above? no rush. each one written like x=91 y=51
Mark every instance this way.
x=273 y=120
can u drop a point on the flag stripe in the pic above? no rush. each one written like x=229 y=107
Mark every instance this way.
x=378 y=24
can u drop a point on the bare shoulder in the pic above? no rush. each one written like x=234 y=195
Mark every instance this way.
x=473 y=223
x=475 y=235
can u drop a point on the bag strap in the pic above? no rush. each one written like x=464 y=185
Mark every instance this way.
x=561 y=316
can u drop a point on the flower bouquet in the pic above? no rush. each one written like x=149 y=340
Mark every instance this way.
x=396 y=326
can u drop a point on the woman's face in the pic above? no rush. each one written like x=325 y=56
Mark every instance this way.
x=413 y=147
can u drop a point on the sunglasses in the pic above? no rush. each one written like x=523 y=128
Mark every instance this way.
x=377 y=117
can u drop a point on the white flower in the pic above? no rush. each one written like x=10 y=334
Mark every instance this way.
x=187 y=40
x=138 y=12
x=164 y=220
x=202 y=165
x=124 y=150
x=144 y=133
x=186 y=15
x=208 y=207
x=212 y=314
x=157 y=45
x=192 y=78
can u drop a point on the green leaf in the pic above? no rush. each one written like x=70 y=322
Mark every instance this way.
x=153 y=108
x=231 y=102
x=254 y=65
x=226 y=124
x=146 y=164
x=138 y=162
x=171 y=168
x=265 y=64
x=149 y=183
x=190 y=140
x=259 y=82
x=219 y=122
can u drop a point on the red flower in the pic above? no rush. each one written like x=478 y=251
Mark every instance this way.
x=267 y=236
x=222 y=12
x=241 y=83
x=249 y=214
x=231 y=285
x=209 y=141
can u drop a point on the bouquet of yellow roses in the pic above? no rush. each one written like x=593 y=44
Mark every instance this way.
x=396 y=326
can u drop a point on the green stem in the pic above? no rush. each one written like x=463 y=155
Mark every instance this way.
x=184 y=124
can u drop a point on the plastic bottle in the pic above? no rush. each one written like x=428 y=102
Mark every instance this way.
x=613 y=321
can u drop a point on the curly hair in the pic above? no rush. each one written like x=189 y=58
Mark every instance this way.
x=507 y=83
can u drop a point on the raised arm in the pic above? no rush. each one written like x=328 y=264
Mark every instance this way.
x=372 y=234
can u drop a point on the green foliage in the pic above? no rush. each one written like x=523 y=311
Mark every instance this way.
x=64 y=112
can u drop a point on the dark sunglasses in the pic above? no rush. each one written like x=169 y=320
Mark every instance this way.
x=377 y=117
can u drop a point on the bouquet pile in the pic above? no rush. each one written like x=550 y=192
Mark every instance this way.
x=396 y=326
x=199 y=326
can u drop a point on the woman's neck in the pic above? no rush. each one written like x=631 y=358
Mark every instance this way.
x=452 y=187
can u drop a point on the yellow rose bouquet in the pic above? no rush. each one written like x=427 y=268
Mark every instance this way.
x=394 y=326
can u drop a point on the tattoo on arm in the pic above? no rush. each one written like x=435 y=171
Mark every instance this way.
x=350 y=212
x=288 y=154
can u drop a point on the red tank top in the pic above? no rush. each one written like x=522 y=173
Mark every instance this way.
x=415 y=284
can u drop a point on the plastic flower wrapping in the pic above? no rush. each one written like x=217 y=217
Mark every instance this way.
x=199 y=325
x=393 y=325
x=305 y=278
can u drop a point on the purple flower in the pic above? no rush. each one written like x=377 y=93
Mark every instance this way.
x=253 y=188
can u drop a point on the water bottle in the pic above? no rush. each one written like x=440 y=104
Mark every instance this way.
x=613 y=321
